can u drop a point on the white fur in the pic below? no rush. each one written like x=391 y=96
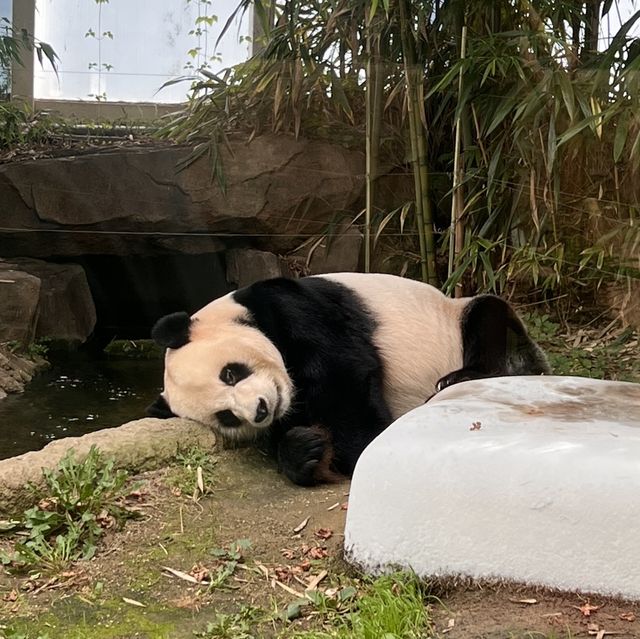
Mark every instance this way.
x=418 y=334
x=192 y=384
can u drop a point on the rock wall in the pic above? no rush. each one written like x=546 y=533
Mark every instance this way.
x=134 y=201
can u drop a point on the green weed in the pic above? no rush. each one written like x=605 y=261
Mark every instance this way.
x=186 y=478
x=133 y=349
x=233 y=626
x=39 y=348
x=20 y=124
x=227 y=562
x=392 y=607
x=81 y=499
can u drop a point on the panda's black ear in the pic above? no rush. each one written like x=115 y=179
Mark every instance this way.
x=160 y=409
x=172 y=331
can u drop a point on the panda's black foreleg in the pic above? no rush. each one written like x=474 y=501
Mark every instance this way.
x=305 y=454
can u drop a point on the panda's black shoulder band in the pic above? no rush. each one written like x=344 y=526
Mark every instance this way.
x=172 y=331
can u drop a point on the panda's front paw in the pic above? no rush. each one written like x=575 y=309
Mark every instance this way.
x=302 y=453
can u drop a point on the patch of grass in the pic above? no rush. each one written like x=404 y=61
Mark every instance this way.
x=228 y=560
x=12 y=633
x=186 y=478
x=133 y=349
x=236 y=625
x=392 y=607
x=585 y=351
x=22 y=125
x=38 y=349
x=81 y=500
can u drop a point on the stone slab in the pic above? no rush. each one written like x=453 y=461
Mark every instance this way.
x=530 y=479
x=139 y=445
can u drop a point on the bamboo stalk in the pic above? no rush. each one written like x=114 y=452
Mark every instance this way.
x=374 y=124
x=409 y=64
x=369 y=185
x=456 y=234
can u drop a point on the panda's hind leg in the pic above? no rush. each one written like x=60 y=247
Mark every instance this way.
x=495 y=343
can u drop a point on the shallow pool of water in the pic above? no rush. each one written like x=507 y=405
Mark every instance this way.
x=77 y=395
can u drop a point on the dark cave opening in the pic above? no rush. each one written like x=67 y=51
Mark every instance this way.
x=131 y=292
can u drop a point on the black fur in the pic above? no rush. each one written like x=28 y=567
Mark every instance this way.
x=160 y=409
x=495 y=343
x=335 y=367
x=228 y=418
x=172 y=331
x=234 y=372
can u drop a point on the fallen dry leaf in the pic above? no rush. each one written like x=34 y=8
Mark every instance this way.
x=475 y=426
x=450 y=625
x=313 y=584
x=586 y=609
x=318 y=552
x=133 y=602
x=344 y=506
x=323 y=533
x=10 y=596
x=303 y=566
x=283 y=573
x=628 y=616
x=199 y=573
x=188 y=602
x=200 y=479
x=182 y=575
x=288 y=553
x=301 y=526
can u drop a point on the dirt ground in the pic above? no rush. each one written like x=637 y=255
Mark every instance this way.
x=126 y=591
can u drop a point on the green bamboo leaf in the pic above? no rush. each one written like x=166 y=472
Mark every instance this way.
x=338 y=93
x=387 y=218
x=552 y=145
x=566 y=89
x=493 y=164
x=571 y=132
x=505 y=107
x=622 y=132
x=449 y=78
x=374 y=8
x=606 y=7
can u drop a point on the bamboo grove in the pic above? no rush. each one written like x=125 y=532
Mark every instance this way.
x=518 y=119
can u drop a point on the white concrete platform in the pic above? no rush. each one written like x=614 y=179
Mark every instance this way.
x=531 y=479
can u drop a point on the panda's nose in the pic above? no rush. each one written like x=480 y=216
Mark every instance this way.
x=262 y=412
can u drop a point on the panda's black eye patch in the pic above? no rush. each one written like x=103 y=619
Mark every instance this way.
x=234 y=372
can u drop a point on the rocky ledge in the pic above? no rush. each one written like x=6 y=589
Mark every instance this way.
x=17 y=370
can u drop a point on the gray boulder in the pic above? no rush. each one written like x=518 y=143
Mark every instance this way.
x=20 y=295
x=64 y=308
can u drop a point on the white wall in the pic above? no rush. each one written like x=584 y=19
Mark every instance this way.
x=150 y=45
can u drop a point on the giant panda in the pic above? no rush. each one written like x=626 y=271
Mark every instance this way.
x=317 y=367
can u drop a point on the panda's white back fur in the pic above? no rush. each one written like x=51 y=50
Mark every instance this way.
x=418 y=334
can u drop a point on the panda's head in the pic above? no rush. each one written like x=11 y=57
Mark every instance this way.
x=221 y=372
